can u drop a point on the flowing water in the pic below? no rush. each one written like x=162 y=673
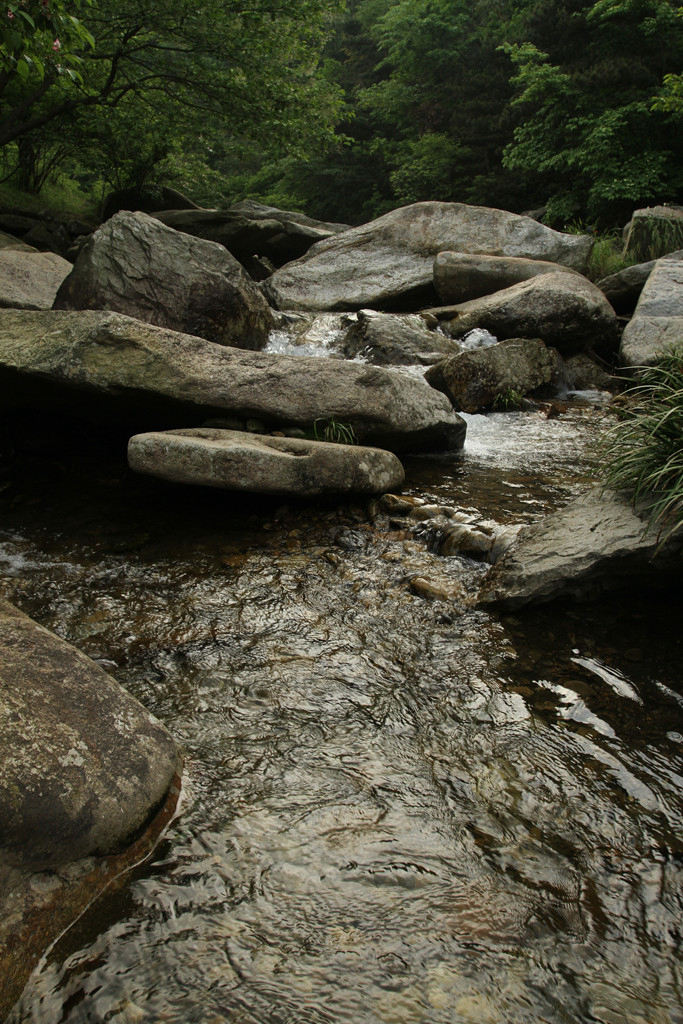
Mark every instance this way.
x=395 y=810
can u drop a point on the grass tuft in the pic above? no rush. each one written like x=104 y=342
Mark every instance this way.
x=643 y=452
x=333 y=431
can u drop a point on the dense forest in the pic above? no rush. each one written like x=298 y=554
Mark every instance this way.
x=348 y=109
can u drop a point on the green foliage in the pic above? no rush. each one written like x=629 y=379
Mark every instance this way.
x=333 y=431
x=607 y=257
x=652 y=237
x=593 y=124
x=42 y=40
x=509 y=400
x=643 y=454
x=63 y=196
x=164 y=79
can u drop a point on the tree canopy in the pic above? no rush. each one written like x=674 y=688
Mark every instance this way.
x=348 y=108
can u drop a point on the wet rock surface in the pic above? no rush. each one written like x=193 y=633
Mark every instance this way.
x=388 y=263
x=597 y=541
x=653 y=232
x=266 y=465
x=157 y=375
x=386 y=339
x=135 y=265
x=477 y=380
x=657 y=323
x=84 y=765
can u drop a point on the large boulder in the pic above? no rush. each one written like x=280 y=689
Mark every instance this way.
x=476 y=380
x=30 y=280
x=396 y=339
x=565 y=310
x=388 y=263
x=133 y=264
x=10 y=242
x=657 y=323
x=622 y=289
x=461 y=276
x=250 y=229
x=112 y=365
x=653 y=232
x=84 y=765
x=596 y=542
x=266 y=465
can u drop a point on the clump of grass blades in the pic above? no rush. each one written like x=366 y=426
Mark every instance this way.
x=509 y=400
x=333 y=431
x=643 y=452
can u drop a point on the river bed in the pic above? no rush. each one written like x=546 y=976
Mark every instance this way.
x=395 y=810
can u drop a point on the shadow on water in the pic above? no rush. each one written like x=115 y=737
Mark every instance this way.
x=396 y=810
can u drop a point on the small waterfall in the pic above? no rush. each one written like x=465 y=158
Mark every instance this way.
x=319 y=335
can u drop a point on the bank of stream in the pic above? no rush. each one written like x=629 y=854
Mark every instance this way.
x=395 y=810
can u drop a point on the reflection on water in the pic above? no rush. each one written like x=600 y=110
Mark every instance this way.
x=396 y=810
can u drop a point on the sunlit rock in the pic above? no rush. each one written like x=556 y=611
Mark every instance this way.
x=657 y=323
x=263 y=464
x=388 y=263
x=113 y=367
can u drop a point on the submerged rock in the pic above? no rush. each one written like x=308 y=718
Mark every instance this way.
x=564 y=310
x=476 y=380
x=152 y=378
x=459 y=276
x=266 y=465
x=30 y=279
x=84 y=764
x=135 y=265
x=596 y=542
x=388 y=263
x=657 y=323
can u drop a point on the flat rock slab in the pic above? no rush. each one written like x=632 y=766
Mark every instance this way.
x=263 y=464
x=30 y=279
x=157 y=376
x=596 y=542
x=657 y=323
x=84 y=765
x=388 y=263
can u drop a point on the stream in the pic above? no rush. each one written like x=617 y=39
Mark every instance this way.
x=395 y=810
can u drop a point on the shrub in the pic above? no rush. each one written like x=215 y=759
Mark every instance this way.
x=643 y=453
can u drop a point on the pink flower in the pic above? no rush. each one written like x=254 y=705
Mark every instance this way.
x=10 y=15
x=56 y=45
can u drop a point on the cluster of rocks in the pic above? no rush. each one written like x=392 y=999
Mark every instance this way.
x=160 y=325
